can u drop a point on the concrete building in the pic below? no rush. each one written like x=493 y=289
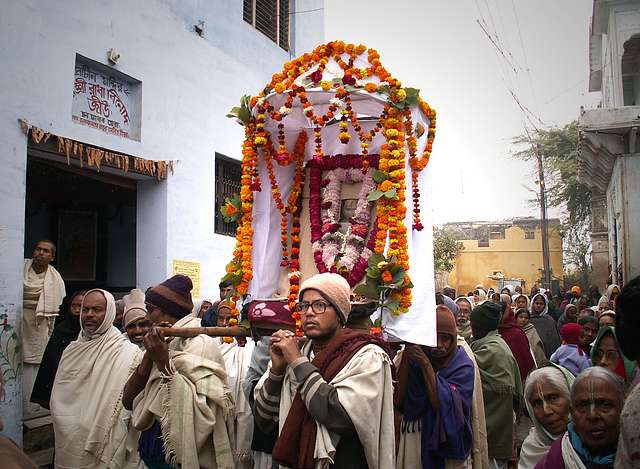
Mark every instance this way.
x=609 y=161
x=114 y=141
x=506 y=252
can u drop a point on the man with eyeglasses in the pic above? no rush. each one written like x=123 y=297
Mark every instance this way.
x=330 y=396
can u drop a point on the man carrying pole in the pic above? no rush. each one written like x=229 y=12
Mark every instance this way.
x=178 y=393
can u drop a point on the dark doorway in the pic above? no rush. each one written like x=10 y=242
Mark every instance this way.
x=91 y=217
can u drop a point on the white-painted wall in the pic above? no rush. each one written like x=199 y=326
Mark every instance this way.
x=188 y=84
x=624 y=22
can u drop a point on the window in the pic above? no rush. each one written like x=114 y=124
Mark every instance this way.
x=227 y=176
x=496 y=232
x=482 y=235
x=529 y=233
x=631 y=71
x=270 y=17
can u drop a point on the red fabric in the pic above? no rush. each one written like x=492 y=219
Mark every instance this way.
x=517 y=341
x=553 y=459
x=297 y=441
x=570 y=333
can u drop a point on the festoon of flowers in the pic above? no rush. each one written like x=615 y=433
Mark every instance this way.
x=308 y=72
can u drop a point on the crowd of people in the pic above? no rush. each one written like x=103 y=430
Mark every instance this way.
x=514 y=380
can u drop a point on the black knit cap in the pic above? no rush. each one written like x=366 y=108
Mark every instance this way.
x=173 y=296
x=486 y=316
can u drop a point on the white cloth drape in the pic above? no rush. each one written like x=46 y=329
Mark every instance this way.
x=416 y=326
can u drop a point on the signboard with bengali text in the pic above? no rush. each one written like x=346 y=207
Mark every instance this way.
x=106 y=100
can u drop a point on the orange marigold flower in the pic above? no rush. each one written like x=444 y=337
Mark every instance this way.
x=279 y=87
x=231 y=209
x=386 y=185
x=386 y=276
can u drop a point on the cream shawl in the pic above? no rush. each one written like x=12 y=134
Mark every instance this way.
x=43 y=295
x=480 y=448
x=236 y=361
x=569 y=455
x=89 y=421
x=53 y=291
x=365 y=390
x=192 y=404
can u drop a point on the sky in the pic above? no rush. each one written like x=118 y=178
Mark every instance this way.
x=440 y=47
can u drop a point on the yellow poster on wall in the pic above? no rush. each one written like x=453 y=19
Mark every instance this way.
x=191 y=270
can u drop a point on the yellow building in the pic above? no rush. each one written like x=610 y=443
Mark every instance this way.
x=509 y=250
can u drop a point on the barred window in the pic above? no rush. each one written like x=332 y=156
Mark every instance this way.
x=270 y=17
x=227 y=178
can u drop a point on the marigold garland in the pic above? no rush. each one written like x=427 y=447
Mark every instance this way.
x=395 y=123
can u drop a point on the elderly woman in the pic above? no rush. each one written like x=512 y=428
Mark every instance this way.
x=544 y=324
x=479 y=295
x=546 y=394
x=597 y=396
x=606 y=353
x=535 y=342
x=606 y=319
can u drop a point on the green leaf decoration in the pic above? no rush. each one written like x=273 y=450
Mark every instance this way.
x=373 y=272
x=241 y=113
x=390 y=194
x=379 y=176
x=375 y=195
x=367 y=290
x=419 y=129
x=392 y=303
x=376 y=258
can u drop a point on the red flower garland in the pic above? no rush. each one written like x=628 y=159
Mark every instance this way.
x=315 y=206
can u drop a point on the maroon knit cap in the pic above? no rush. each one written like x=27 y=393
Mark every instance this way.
x=173 y=296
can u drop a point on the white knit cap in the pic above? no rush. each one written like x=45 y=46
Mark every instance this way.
x=134 y=307
x=333 y=288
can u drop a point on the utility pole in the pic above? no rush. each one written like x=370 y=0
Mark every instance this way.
x=544 y=222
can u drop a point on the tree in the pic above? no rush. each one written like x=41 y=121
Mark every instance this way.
x=446 y=246
x=559 y=149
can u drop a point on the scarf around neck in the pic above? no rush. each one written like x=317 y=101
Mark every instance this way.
x=447 y=433
x=588 y=458
x=296 y=444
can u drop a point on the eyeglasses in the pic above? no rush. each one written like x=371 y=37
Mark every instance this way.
x=610 y=355
x=317 y=306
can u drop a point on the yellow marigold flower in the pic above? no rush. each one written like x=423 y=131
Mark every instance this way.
x=279 y=88
x=391 y=133
x=325 y=85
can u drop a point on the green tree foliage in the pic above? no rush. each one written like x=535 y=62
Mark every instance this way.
x=559 y=149
x=446 y=246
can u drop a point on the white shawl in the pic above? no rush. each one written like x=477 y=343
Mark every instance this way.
x=53 y=291
x=365 y=390
x=192 y=403
x=569 y=455
x=236 y=361
x=90 y=424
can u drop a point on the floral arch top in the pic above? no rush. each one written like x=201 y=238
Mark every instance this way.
x=335 y=97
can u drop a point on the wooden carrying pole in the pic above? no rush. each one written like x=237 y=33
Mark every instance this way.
x=257 y=330
x=210 y=331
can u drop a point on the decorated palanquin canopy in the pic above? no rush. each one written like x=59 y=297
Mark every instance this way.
x=335 y=179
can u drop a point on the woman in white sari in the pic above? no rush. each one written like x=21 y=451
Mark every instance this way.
x=547 y=394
